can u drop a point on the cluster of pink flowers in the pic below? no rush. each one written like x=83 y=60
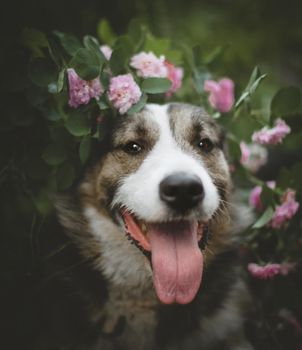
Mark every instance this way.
x=270 y=270
x=175 y=74
x=284 y=212
x=272 y=136
x=255 y=195
x=253 y=156
x=147 y=65
x=123 y=92
x=221 y=95
x=82 y=91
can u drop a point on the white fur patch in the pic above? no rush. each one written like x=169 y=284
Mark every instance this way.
x=139 y=191
x=121 y=263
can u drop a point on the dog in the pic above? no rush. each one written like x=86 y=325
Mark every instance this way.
x=148 y=255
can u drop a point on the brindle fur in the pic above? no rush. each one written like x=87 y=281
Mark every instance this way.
x=88 y=305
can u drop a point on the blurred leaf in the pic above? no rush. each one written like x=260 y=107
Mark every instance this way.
x=200 y=76
x=84 y=149
x=78 y=124
x=255 y=80
x=137 y=34
x=70 y=43
x=102 y=103
x=214 y=55
x=198 y=55
x=139 y=105
x=286 y=101
x=265 y=218
x=65 y=175
x=105 y=79
x=157 y=46
x=34 y=40
x=60 y=82
x=54 y=154
x=42 y=202
x=156 y=85
x=234 y=151
x=122 y=51
x=105 y=33
x=87 y=64
x=92 y=44
x=42 y=71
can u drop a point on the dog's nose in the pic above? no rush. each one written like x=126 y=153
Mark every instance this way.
x=181 y=191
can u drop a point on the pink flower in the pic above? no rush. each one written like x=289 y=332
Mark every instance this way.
x=175 y=74
x=263 y=272
x=107 y=51
x=149 y=66
x=272 y=136
x=82 y=91
x=286 y=210
x=221 y=94
x=255 y=195
x=253 y=156
x=270 y=270
x=287 y=267
x=123 y=92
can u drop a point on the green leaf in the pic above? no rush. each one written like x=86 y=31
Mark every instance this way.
x=70 y=43
x=42 y=71
x=65 y=176
x=255 y=80
x=54 y=154
x=139 y=105
x=123 y=50
x=87 y=64
x=84 y=149
x=137 y=34
x=92 y=44
x=102 y=103
x=105 y=33
x=43 y=202
x=286 y=101
x=265 y=218
x=78 y=124
x=60 y=82
x=156 y=45
x=156 y=85
x=34 y=40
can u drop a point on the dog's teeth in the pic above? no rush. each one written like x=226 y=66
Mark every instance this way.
x=144 y=227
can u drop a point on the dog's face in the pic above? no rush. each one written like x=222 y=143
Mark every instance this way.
x=162 y=185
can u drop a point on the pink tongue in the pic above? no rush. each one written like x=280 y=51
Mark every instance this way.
x=176 y=260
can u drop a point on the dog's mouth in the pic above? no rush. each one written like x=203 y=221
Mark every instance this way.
x=175 y=251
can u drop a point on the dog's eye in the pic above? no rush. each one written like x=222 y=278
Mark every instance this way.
x=132 y=147
x=206 y=145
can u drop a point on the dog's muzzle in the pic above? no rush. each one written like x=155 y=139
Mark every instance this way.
x=181 y=191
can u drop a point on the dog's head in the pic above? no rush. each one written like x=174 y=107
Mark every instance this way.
x=163 y=185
